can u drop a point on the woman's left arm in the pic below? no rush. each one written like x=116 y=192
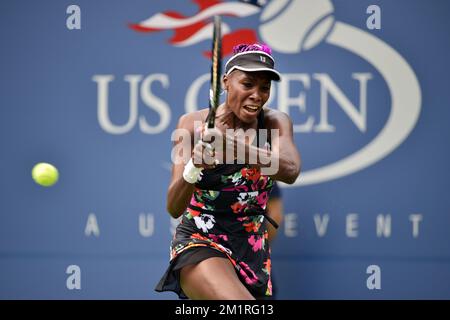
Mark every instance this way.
x=284 y=159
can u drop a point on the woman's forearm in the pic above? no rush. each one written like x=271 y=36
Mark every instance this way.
x=178 y=197
x=280 y=166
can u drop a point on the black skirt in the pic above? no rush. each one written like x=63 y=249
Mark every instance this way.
x=171 y=279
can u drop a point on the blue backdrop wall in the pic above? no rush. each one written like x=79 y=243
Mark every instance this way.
x=97 y=88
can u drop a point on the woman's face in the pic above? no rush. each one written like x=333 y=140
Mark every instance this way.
x=247 y=93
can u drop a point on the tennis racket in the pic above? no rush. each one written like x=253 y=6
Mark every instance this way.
x=214 y=91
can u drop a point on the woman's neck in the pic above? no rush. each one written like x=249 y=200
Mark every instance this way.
x=228 y=120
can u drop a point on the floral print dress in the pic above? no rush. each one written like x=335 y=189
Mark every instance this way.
x=227 y=214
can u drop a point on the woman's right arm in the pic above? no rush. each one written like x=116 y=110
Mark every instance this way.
x=180 y=191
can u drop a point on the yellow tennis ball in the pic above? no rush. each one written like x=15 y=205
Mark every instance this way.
x=45 y=174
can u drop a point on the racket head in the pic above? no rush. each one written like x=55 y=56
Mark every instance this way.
x=216 y=70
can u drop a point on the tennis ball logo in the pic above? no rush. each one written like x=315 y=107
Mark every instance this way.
x=292 y=26
x=45 y=174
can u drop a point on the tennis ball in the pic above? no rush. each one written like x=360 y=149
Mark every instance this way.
x=45 y=174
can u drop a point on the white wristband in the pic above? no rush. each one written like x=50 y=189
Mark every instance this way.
x=191 y=173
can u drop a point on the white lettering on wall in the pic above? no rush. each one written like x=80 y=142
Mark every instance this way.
x=148 y=98
x=321 y=224
x=146 y=224
x=290 y=225
x=351 y=225
x=383 y=226
x=415 y=219
x=92 y=226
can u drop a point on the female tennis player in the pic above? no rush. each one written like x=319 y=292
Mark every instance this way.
x=220 y=249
